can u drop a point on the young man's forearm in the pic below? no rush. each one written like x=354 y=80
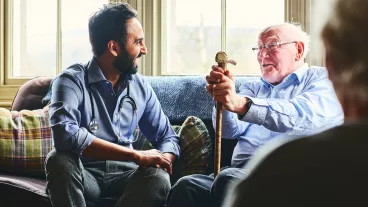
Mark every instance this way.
x=104 y=150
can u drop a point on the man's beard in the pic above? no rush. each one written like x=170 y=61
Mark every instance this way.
x=124 y=64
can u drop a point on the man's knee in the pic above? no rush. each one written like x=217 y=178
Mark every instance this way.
x=156 y=178
x=192 y=190
x=183 y=184
x=61 y=162
x=226 y=178
x=192 y=184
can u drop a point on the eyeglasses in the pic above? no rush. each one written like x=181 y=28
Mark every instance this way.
x=270 y=47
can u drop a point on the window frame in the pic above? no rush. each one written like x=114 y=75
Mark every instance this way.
x=7 y=76
x=7 y=91
x=8 y=84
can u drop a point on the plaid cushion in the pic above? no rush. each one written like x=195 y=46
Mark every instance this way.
x=195 y=145
x=25 y=141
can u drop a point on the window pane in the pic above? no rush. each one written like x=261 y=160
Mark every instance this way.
x=33 y=38
x=193 y=36
x=244 y=20
x=75 y=39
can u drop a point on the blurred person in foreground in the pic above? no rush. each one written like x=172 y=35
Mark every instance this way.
x=330 y=168
x=290 y=98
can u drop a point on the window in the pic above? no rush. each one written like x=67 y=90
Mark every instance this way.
x=43 y=37
x=42 y=42
x=196 y=30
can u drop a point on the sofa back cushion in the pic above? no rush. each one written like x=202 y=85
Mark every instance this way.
x=184 y=96
x=30 y=94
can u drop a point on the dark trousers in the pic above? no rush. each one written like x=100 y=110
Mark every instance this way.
x=71 y=183
x=204 y=190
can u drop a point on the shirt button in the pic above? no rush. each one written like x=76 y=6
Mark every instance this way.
x=112 y=94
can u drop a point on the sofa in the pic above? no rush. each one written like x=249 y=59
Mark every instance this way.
x=180 y=97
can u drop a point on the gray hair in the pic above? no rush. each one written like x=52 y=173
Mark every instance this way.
x=302 y=36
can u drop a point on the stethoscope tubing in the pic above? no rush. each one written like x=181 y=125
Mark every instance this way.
x=93 y=126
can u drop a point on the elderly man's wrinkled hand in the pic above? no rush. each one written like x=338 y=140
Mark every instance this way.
x=221 y=86
x=218 y=75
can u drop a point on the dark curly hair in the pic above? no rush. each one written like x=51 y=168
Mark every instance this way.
x=109 y=23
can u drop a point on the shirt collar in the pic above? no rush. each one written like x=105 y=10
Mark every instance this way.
x=95 y=73
x=298 y=73
x=301 y=71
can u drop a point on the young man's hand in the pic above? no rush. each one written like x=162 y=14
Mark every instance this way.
x=154 y=158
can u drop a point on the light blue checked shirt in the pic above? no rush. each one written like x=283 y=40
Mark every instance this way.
x=304 y=103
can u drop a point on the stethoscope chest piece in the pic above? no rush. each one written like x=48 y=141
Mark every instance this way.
x=93 y=126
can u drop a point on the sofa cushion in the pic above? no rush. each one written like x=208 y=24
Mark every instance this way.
x=30 y=94
x=31 y=185
x=23 y=191
x=195 y=145
x=184 y=96
x=25 y=140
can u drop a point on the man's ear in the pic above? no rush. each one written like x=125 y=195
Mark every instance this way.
x=113 y=47
x=299 y=50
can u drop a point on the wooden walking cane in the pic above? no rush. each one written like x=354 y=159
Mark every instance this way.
x=221 y=59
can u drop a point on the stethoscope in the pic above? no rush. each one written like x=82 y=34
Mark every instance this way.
x=94 y=126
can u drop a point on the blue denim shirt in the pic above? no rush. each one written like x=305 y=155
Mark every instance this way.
x=304 y=103
x=70 y=111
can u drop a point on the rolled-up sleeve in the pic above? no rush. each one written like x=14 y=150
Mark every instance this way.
x=65 y=116
x=155 y=125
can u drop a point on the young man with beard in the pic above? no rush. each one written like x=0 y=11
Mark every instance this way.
x=290 y=98
x=94 y=110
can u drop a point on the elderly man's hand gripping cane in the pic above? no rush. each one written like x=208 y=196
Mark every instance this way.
x=222 y=60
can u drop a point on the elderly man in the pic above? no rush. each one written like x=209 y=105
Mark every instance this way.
x=328 y=169
x=291 y=99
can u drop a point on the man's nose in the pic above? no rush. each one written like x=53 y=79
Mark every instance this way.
x=262 y=53
x=144 y=49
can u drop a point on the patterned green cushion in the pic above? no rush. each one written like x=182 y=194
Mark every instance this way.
x=25 y=140
x=195 y=145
